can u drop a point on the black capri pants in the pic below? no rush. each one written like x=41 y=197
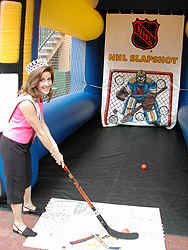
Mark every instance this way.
x=16 y=160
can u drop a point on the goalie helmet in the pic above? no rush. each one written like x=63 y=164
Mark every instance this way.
x=140 y=76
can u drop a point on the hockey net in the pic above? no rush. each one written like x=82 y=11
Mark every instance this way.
x=119 y=78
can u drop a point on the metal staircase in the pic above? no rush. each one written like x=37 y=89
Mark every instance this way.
x=50 y=45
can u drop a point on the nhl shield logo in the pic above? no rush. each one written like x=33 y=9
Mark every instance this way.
x=145 y=34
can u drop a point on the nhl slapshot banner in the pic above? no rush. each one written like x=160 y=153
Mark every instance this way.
x=142 y=68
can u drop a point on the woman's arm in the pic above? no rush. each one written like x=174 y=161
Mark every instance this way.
x=47 y=131
x=41 y=130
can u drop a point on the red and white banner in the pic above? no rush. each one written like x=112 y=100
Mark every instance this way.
x=142 y=68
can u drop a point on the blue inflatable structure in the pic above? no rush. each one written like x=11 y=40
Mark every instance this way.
x=183 y=100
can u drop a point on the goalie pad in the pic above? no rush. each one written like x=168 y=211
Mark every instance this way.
x=122 y=94
x=148 y=102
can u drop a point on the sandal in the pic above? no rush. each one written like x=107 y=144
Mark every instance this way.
x=31 y=211
x=27 y=232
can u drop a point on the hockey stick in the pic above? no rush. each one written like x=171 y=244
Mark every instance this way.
x=82 y=240
x=113 y=233
x=98 y=238
x=126 y=117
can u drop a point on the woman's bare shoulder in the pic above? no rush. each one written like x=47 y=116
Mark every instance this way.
x=26 y=105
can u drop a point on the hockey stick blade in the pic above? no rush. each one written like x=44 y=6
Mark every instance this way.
x=113 y=233
x=119 y=235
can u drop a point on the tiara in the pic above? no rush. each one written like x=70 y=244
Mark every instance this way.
x=35 y=64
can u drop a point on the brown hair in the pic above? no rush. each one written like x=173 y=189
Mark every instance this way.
x=33 y=80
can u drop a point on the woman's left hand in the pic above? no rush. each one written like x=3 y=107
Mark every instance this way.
x=58 y=158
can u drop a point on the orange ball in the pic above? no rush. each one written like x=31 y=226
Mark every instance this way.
x=143 y=167
x=126 y=230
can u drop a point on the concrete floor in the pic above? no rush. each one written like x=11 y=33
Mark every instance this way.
x=8 y=239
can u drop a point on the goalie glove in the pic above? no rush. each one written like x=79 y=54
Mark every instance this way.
x=148 y=102
x=122 y=94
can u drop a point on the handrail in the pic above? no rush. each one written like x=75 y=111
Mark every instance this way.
x=47 y=39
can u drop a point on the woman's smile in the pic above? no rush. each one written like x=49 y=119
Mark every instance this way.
x=45 y=83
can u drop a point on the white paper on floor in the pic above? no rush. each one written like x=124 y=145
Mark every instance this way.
x=66 y=223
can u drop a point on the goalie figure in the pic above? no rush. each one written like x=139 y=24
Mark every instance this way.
x=140 y=90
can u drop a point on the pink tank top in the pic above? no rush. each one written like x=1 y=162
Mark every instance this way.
x=18 y=128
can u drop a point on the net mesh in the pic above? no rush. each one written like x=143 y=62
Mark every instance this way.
x=57 y=49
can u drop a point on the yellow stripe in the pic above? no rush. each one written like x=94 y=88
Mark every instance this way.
x=152 y=115
x=10 y=23
x=27 y=55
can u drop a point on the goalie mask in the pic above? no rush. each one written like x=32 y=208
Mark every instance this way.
x=141 y=77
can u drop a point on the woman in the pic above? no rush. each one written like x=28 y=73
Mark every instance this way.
x=25 y=122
